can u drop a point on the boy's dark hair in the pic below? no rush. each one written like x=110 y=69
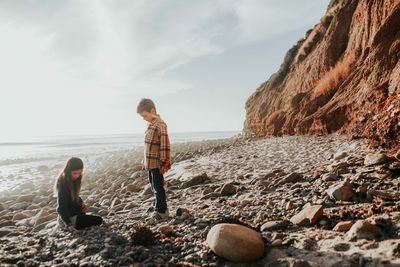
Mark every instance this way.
x=145 y=104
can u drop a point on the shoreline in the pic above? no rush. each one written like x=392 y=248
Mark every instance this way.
x=15 y=172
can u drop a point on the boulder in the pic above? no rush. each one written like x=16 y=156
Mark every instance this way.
x=5 y=231
x=363 y=229
x=19 y=206
x=294 y=177
x=42 y=216
x=228 y=189
x=342 y=191
x=195 y=180
x=132 y=188
x=330 y=176
x=147 y=191
x=235 y=242
x=290 y=205
x=21 y=215
x=25 y=198
x=116 y=201
x=340 y=155
x=375 y=158
x=394 y=166
x=308 y=216
x=211 y=195
x=339 y=167
x=274 y=225
x=166 y=229
x=384 y=194
x=43 y=168
x=397 y=155
x=5 y=223
x=343 y=226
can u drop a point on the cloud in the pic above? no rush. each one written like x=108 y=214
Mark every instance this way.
x=119 y=42
x=112 y=50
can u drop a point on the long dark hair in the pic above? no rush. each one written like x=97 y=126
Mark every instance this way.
x=74 y=186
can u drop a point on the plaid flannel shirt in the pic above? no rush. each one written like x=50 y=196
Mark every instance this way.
x=157 y=148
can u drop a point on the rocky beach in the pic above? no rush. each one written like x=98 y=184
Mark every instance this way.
x=312 y=180
x=280 y=201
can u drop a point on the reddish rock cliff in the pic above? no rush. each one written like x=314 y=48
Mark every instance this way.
x=344 y=77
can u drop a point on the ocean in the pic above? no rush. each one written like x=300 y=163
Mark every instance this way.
x=19 y=159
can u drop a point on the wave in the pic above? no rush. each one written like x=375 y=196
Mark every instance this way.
x=22 y=143
x=23 y=160
x=94 y=144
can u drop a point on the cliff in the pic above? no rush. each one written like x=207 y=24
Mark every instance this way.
x=343 y=77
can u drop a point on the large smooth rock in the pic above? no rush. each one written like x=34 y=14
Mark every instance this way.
x=341 y=191
x=235 y=242
x=308 y=216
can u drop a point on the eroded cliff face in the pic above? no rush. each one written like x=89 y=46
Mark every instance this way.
x=344 y=77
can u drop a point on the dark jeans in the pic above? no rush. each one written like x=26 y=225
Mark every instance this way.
x=156 y=179
x=83 y=221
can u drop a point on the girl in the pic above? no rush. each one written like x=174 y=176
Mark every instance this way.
x=71 y=210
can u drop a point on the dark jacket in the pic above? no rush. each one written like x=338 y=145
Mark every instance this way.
x=66 y=206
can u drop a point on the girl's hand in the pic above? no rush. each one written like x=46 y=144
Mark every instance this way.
x=85 y=208
x=71 y=229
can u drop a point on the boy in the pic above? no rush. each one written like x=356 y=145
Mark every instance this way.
x=157 y=154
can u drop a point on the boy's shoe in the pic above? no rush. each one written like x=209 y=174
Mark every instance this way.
x=161 y=216
x=158 y=217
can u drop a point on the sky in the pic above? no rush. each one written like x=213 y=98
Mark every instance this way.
x=81 y=67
